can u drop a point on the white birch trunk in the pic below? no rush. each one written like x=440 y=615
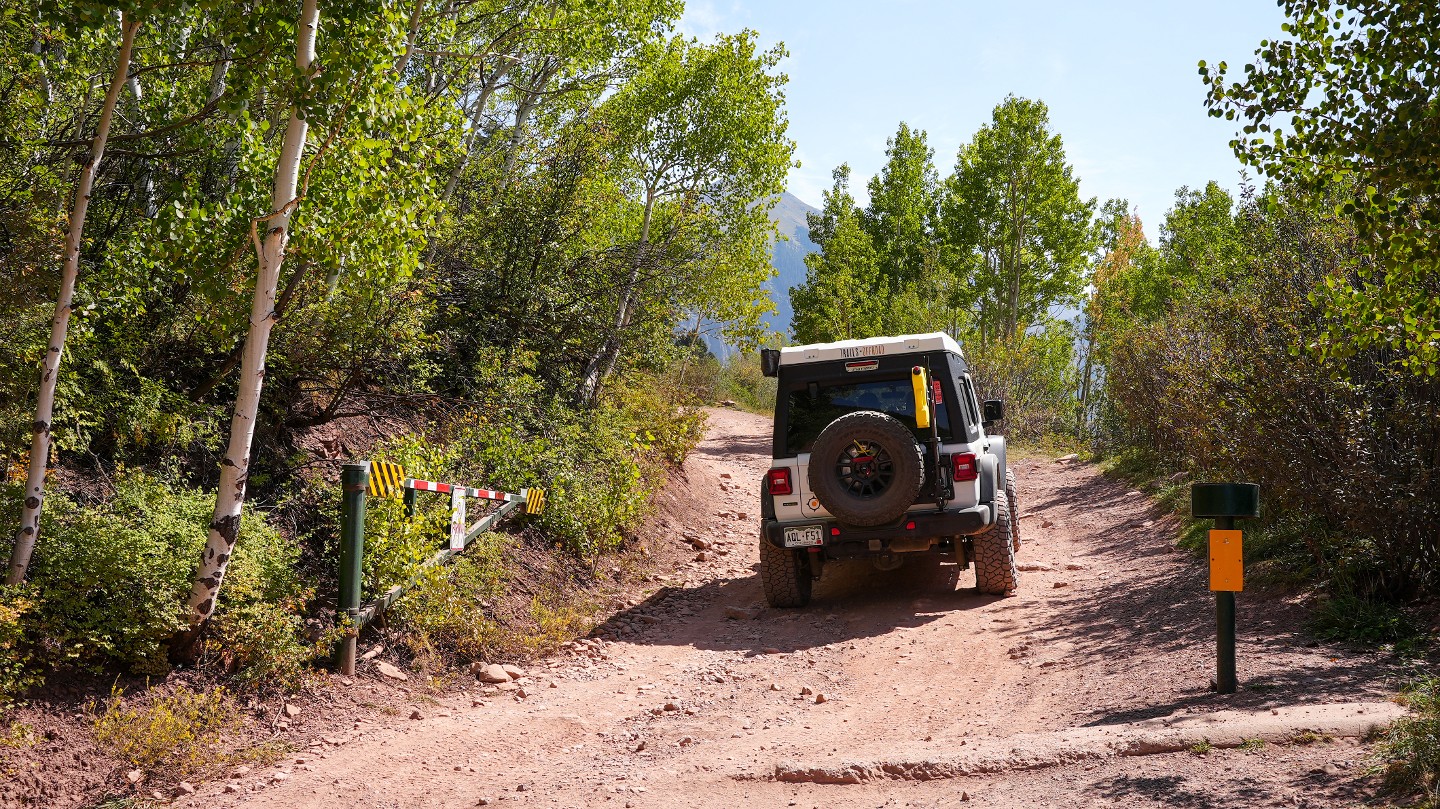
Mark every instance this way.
x=235 y=468
x=603 y=363
x=60 y=323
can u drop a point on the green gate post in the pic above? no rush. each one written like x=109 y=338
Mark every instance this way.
x=354 y=480
x=1224 y=502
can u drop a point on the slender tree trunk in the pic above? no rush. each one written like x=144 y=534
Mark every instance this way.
x=412 y=31
x=1083 y=417
x=235 y=468
x=472 y=138
x=38 y=49
x=218 y=74
x=60 y=323
x=603 y=363
x=522 y=115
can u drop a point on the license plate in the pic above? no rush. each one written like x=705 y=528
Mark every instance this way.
x=805 y=537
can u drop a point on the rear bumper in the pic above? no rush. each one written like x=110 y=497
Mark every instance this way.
x=849 y=540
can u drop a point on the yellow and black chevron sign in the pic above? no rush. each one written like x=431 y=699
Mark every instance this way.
x=386 y=479
x=534 y=501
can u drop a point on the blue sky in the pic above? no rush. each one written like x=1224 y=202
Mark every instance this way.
x=1119 y=78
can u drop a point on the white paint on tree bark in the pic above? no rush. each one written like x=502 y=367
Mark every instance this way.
x=60 y=323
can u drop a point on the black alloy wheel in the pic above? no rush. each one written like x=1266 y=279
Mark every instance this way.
x=865 y=468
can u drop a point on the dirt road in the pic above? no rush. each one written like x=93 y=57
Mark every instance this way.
x=919 y=692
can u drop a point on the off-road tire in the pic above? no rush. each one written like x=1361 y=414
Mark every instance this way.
x=1014 y=509
x=904 y=468
x=785 y=575
x=995 y=572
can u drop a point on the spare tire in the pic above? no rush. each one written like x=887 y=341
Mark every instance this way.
x=866 y=468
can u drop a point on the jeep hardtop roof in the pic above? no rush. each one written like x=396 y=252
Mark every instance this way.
x=869 y=347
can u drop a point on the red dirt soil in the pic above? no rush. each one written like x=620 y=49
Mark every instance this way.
x=694 y=702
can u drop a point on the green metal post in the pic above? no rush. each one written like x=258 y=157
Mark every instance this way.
x=354 y=480
x=1224 y=630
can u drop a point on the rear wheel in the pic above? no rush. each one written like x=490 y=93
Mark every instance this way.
x=995 y=572
x=785 y=575
x=1014 y=509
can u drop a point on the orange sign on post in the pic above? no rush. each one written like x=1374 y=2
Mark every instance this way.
x=1226 y=561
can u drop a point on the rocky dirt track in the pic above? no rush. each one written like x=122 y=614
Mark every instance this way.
x=906 y=687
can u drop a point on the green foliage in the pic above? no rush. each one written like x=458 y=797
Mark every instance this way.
x=451 y=610
x=1344 y=616
x=983 y=256
x=455 y=615
x=904 y=198
x=17 y=665
x=738 y=379
x=1410 y=747
x=107 y=581
x=539 y=201
x=844 y=296
x=1345 y=98
x=1036 y=377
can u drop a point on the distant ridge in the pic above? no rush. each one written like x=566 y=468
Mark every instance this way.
x=788 y=259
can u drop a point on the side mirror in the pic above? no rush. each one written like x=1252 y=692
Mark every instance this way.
x=770 y=361
x=993 y=410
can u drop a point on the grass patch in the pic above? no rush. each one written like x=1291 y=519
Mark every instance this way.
x=1252 y=745
x=556 y=624
x=1201 y=747
x=1410 y=748
x=17 y=735
x=1345 y=616
x=1047 y=448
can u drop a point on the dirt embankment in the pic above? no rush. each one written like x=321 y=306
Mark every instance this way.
x=903 y=688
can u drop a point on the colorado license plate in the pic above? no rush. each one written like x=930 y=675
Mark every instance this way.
x=804 y=537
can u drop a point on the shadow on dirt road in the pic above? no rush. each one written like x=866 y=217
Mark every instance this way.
x=852 y=601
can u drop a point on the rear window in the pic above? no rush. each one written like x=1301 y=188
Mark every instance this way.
x=809 y=415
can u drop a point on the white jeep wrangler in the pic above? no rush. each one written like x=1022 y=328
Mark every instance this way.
x=881 y=452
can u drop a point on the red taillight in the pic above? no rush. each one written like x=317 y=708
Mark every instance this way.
x=910 y=526
x=965 y=468
x=834 y=532
x=777 y=481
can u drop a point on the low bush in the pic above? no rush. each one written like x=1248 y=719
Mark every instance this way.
x=1345 y=616
x=451 y=609
x=737 y=378
x=17 y=669
x=182 y=733
x=1410 y=748
x=107 y=582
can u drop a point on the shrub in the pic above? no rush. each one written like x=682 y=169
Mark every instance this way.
x=738 y=378
x=1221 y=381
x=1035 y=375
x=1348 y=617
x=17 y=669
x=181 y=733
x=449 y=609
x=109 y=581
x=1410 y=748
